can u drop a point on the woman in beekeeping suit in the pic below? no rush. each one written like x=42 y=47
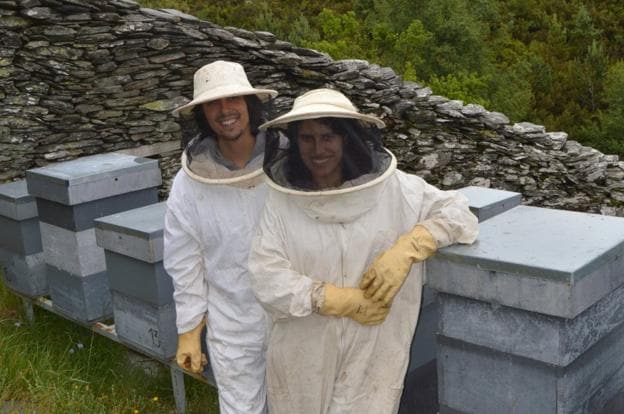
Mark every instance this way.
x=212 y=211
x=338 y=259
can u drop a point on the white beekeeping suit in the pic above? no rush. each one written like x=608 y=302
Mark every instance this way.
x=212 y=212
x=209 y=224
x=320 y=364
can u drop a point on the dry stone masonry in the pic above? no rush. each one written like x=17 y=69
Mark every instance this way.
x=81 y=77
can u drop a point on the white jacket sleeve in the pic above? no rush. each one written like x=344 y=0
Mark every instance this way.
x=183 y=259
x=445 y=214
x=282 y=291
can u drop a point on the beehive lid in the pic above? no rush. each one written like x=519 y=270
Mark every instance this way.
x=137 y=233
x=544 y=243
x=485 y=202
x=15 y=201
x=92 y=178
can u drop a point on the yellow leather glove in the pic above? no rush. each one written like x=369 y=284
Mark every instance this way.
x=351 y=303
x=386 y=274
x=189 y=355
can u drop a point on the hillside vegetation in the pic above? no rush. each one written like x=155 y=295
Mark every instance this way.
x=552 y=62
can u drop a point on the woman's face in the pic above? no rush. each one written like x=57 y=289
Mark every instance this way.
x=321 y=151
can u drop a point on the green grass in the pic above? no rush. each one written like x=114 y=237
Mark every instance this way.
x=55 y=366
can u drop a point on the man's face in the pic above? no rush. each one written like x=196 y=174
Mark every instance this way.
x=228 y=117
x=321 y=151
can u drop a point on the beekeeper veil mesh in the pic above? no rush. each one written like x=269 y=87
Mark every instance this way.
x=363 y=157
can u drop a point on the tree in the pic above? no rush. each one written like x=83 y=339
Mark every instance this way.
x=340 y=35
x=607 y=132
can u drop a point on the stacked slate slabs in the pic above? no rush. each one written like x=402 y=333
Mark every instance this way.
x=21 y=252
x=484 y=203
x=70 y=195
x=141 y=289
x=532 y=314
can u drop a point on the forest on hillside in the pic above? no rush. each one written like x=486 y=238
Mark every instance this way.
x=558 y=63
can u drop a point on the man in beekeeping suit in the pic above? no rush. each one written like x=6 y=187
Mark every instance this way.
x=213 y=207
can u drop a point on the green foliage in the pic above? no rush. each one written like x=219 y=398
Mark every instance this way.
x=583 y=33
x=340 y=34
x=605 y=133
x=410 y=48
x=544 y=61
x=465 y=86
x=510 y=92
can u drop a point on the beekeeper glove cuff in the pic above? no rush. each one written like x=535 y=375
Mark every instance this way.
x=318 y=296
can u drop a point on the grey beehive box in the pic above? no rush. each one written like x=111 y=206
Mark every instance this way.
x=73 y=252
x=20 y=241
x=136 y=233
x=15 y=201
x=142 y=291
x=531 y=314
x=484 y=203
x=18 y=219
x=150 y=328
x=25 y=274
x=70 y=196
x=81 y=297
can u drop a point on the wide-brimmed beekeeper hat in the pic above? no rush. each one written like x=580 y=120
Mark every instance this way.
x=322 y=103
x=221 y=79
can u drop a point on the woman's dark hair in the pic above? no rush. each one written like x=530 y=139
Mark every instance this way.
x=359 y=143
x=254 y=108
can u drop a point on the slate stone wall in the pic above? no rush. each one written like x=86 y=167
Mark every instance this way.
x=79 y=77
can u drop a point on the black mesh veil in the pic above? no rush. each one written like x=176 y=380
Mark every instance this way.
x=363 y=159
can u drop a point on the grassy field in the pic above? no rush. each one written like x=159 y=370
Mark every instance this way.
x=55 y=366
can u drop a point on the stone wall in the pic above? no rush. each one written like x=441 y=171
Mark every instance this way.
x=81 y=77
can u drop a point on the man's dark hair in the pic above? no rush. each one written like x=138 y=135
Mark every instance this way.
x=254 y=108
x=359 y=142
